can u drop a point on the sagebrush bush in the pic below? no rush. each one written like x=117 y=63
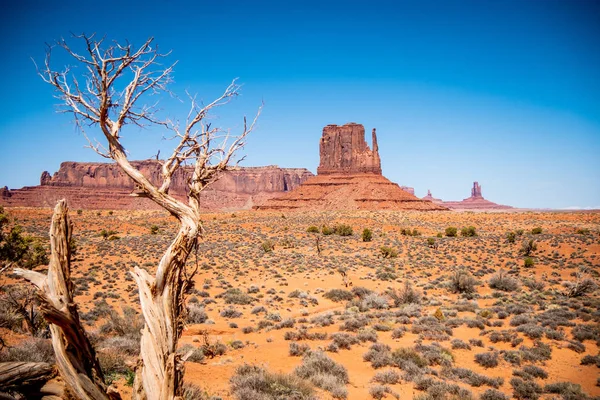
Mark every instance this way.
x=461 y=281
x=251 y=382
x=502 y=281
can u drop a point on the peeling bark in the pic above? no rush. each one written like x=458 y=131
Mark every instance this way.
x=75 y=356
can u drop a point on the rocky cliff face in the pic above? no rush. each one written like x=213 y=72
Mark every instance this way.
x=343 y=149
x=250 y=180
x=105 y=186
x=476 y=191
x=348 y=178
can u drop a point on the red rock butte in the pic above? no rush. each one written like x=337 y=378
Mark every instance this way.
x=348 y=178
x=105 y=186
x=475 y=202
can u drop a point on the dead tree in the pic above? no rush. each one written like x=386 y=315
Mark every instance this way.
x=75 y=356
x=110 y=94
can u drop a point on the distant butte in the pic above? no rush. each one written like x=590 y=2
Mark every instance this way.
x=475 y=202
x=349 y=177
x=429 y=197
x=105 y=186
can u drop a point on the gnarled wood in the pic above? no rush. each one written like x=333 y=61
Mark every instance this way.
x=16 y=375
x=75 y=356
x=116 y=79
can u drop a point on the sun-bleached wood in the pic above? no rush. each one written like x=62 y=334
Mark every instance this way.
x=75 y=356
x=116 y=79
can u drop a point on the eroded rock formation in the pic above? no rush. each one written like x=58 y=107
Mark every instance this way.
x=475 y=202
x=429 y=197
x=105 y=186
x=348 y=178
x=343 y=149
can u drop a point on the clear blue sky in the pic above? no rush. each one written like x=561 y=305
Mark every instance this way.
x=506 y=93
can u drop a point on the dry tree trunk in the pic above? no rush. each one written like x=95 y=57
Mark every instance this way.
x=75 y=356
x=159 y=375
x=16 y=375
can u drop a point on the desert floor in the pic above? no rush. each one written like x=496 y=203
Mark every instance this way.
x=285 y=295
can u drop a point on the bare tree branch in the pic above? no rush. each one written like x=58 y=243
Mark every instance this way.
x=117 y=80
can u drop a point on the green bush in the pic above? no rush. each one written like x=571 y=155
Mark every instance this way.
x=154 y=229
x=327 y=230
x=343 y=230
x=528 y=262
x=388 y=252
x=536 y=231
x=312 y=229
x=468 y=231
x=511 y=237
x=268 y=246
x=451 y=231
x=528 y=247
x=367 y=235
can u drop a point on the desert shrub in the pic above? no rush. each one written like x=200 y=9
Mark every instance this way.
x=397 y=333
x=511 y=237
x=402 y=356
x=338 y=295
x=268 y=246
x=451 y=231
x=367 y=235
x=459 y=344
x=196 y=314
x=354 y=323
x=568 y=390
x=379 y=355
x=430 y=328
x=236 y=296
x=525 y=390
x=474 y=379
x=378 y=392
x=374 y=301
x=487 y=360
x=327 y=230
x=324 y=373
x=323 y=320
x=539 y=352
x=386 y=273
x=388 y=252
x=532 y=331
x=154 y=229
x=343 y=230
x=534 y=284
x=583 y=332
x=129 y=324
x=468 y=231
x=493 y=394
x=528 y=247
x=29 y=350
x=230 y=313
x=298 y=349
x=533 y=371
x=387 y=377
x=461 y=281
x=361 y=292
x=536 y=231
x=344 y=340
x=251 y=382
x=528 y=262
x=367 y=335
x=312 y=229
x=502 y=281
x=406 y=295
x=591 y=360
x=580 y=287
